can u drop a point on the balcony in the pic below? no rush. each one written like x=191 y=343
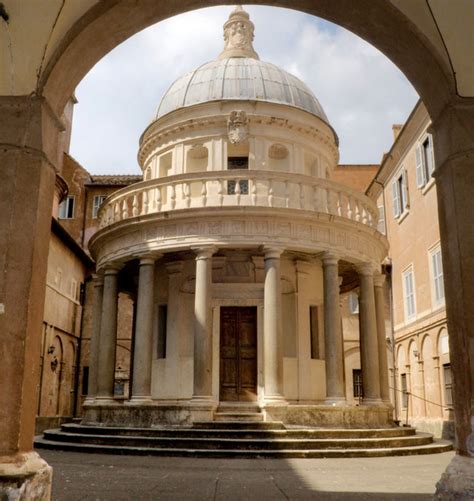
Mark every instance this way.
x=238 y=188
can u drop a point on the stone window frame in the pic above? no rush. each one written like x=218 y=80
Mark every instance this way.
x=409 y=272
x=436 y=276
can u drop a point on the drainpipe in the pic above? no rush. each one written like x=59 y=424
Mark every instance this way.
x=392 y=342
x=82 y=301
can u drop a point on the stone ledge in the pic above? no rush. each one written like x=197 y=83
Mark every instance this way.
x=26 y=477
x=457 y=482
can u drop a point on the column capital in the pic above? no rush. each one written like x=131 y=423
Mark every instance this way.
x=98 y=279
x=204 y=252
x=330 y=259
x=273 y=252
x=149 y=259
x=112 y=268
x=379 y=279
x=365 y=269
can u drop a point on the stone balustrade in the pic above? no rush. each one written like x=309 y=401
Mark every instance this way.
x=237 y=188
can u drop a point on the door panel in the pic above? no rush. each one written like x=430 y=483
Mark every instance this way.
x=238 y=354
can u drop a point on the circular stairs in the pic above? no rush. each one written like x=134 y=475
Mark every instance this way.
x=239 y=439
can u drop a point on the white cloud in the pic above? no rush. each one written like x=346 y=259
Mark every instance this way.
x=362 y=92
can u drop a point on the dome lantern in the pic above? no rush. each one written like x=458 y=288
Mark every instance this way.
x=238 y=35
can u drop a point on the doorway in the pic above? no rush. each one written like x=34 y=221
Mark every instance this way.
x=238 y=354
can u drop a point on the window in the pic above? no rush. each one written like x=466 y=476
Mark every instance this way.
x=437 y=270
x=409 y=290
x=316 y=348
x=381 y=223
x=403 y=381
x=238 y=163
x=66 y=208
x=400 y=194
x=448 y=386
x=97 y=202
x=424 y=161
x=162 y=320
x=353 y=303
x=357 y=383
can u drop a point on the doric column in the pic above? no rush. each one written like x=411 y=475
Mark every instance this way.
x=143 y=344
x=272 y=328
x=108 y=335
x=369 y=349
x=379 y=280
x=203 y=325
x=333 y=343
x=94 y=347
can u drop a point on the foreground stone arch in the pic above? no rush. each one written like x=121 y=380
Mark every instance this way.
x=30 y=137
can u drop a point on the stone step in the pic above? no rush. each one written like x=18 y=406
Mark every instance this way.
x=240 y=425
x=436 y=447
x=239 y=407
x=238 y=416
x=198 y=442
x=222 y=431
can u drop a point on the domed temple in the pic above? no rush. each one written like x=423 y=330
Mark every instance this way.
x=236 y=247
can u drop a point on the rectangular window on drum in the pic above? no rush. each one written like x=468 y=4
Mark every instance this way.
x=357 y=383
x=404 y=388
x=234 y=163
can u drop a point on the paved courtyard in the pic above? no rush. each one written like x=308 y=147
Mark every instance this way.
x=97 y=477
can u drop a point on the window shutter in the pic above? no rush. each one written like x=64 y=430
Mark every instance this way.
x=395 y=199
x=405 y=203
x=431 y=164
x=381 y=223
x=420 y=171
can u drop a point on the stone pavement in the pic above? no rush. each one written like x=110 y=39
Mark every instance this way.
x=79 y=476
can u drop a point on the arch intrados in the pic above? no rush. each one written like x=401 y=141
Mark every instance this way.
x=108 y=24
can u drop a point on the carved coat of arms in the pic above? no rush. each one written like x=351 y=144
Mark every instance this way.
x=237 y=126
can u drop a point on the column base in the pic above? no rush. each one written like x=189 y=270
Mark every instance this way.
x=89 y=401
x=203 y=401
x=105 y=401
x=336 y=402
x=139 y=400
x=373 y=402
x=25 y=476
x=457 y=482
x=273 y=400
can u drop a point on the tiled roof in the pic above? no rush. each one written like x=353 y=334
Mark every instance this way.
x=115 y=180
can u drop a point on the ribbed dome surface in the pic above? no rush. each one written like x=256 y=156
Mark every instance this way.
x=239 y=78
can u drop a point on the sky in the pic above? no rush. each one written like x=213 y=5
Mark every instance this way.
x=362 y=92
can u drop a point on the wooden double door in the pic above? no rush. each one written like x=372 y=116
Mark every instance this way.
x=238 y=354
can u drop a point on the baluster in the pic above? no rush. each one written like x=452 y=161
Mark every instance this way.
x=237 y=191
x=145 y=203
x=220 y=192
x=364 y=215
x=329 y=201
x=187 y=194
x=116 y=212
x=316 y=199
x=339 y=202
x=135 y=206
x=158 y=198
x=173 y=195
x=204 y=193
x=287 y=195
x=301 y=186
x=125 y=209
x=270 y=193
x=357 y=211
x=350 y=202
x=109 y=215
x=254 y=191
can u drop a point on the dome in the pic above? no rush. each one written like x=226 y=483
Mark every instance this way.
x=240 y=79
x=239 y=75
